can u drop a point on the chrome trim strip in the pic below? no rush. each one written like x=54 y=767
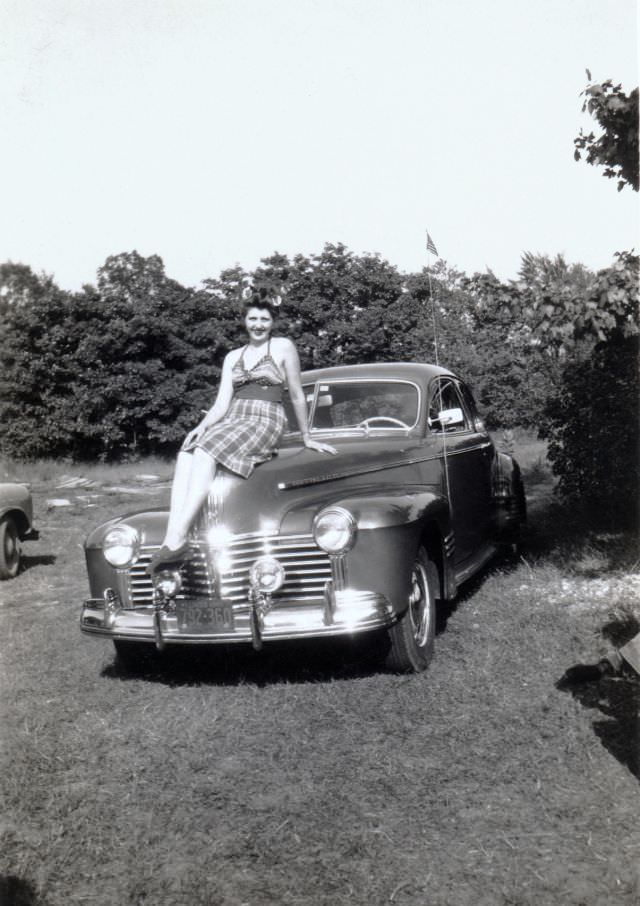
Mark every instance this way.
x=352 y=473
x=458 y=452
x=339 y=571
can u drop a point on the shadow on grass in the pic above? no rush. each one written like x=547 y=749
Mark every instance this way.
x=16 y=891
x=559 y=530
x=616 y=697
x=30 y=563
x=299 y=662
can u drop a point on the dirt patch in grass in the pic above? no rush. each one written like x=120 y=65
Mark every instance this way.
x=306 y=776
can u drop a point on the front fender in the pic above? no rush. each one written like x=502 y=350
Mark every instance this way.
x=16 y=502
x=374 y=508
x=391 y=526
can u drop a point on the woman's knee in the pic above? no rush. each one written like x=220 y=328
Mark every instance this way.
x=184 y=461
x=203 y=462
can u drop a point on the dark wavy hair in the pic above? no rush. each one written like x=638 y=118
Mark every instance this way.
x=260 y=298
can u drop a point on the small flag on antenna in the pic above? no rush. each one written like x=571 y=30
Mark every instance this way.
x=431 y=246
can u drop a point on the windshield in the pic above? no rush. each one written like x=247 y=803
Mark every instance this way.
x=362 y=405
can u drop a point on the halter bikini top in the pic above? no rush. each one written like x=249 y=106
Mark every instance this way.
x=263 y=380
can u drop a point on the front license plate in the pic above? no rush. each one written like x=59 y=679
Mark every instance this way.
x=203 y=616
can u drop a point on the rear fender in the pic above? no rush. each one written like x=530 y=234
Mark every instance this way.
x=509 y=497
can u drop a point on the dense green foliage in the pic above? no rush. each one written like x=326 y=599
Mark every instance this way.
x=594 y=432
x=588 y=327
x=593 y=427
x=616 y=148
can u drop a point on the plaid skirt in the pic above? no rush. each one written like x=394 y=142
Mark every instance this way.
x=249 y=434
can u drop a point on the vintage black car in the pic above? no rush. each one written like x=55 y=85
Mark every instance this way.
x=415 y=502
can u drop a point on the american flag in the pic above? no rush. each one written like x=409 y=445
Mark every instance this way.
x=431 y=246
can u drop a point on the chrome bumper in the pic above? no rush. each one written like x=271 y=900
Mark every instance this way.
x=338 y=612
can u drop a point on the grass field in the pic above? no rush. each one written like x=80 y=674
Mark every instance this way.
x=306 y=776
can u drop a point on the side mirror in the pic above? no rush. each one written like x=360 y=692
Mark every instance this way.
x=448 y=418
x=324 y=399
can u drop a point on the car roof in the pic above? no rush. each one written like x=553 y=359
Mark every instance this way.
x=415 y=371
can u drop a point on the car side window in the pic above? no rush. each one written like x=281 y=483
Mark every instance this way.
x=445 y=398
x=471 y=407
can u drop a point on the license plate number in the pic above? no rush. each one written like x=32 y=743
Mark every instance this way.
x=196 y=616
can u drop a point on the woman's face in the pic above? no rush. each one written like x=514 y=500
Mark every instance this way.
x=258 y=322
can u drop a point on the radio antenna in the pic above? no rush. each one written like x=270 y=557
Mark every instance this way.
x=431 y=249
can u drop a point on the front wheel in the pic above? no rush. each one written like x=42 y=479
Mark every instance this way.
x=9 y=549
x=412 y=637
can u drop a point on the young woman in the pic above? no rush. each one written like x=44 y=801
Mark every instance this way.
x=243 y=427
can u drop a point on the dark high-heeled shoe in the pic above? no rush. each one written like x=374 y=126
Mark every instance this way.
x=167 y=555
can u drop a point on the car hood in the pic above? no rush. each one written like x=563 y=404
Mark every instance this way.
x=295 y=463
x=283 y=494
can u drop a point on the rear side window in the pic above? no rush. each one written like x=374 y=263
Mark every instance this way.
x=446 y=398
x=472 y=409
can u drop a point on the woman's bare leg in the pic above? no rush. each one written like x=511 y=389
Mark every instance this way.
x=190 y=493
x=179 y=488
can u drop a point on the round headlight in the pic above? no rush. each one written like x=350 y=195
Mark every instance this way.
x=121 y=545
x=334 y=530
x=266 y=574
x=168 y=581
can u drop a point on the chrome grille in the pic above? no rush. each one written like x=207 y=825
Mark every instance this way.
x=307 y=569
x=197 y=578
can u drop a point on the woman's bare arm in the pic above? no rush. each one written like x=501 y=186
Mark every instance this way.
x=222 y=401
x=291 y=364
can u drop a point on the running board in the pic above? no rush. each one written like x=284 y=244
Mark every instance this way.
x=475 y=564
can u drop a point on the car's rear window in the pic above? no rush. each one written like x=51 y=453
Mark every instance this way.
x=375 y=405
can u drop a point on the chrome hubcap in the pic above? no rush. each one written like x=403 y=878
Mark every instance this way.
x=11 y=548
x=419 y=611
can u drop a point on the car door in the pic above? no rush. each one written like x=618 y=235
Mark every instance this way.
x=466 y=453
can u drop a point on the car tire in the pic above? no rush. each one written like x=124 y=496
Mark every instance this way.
x=412 y=637
x=10 y=549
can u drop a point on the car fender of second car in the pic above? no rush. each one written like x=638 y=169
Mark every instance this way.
x=16 y=502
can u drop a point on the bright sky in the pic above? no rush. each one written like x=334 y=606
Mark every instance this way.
x=215 y=132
